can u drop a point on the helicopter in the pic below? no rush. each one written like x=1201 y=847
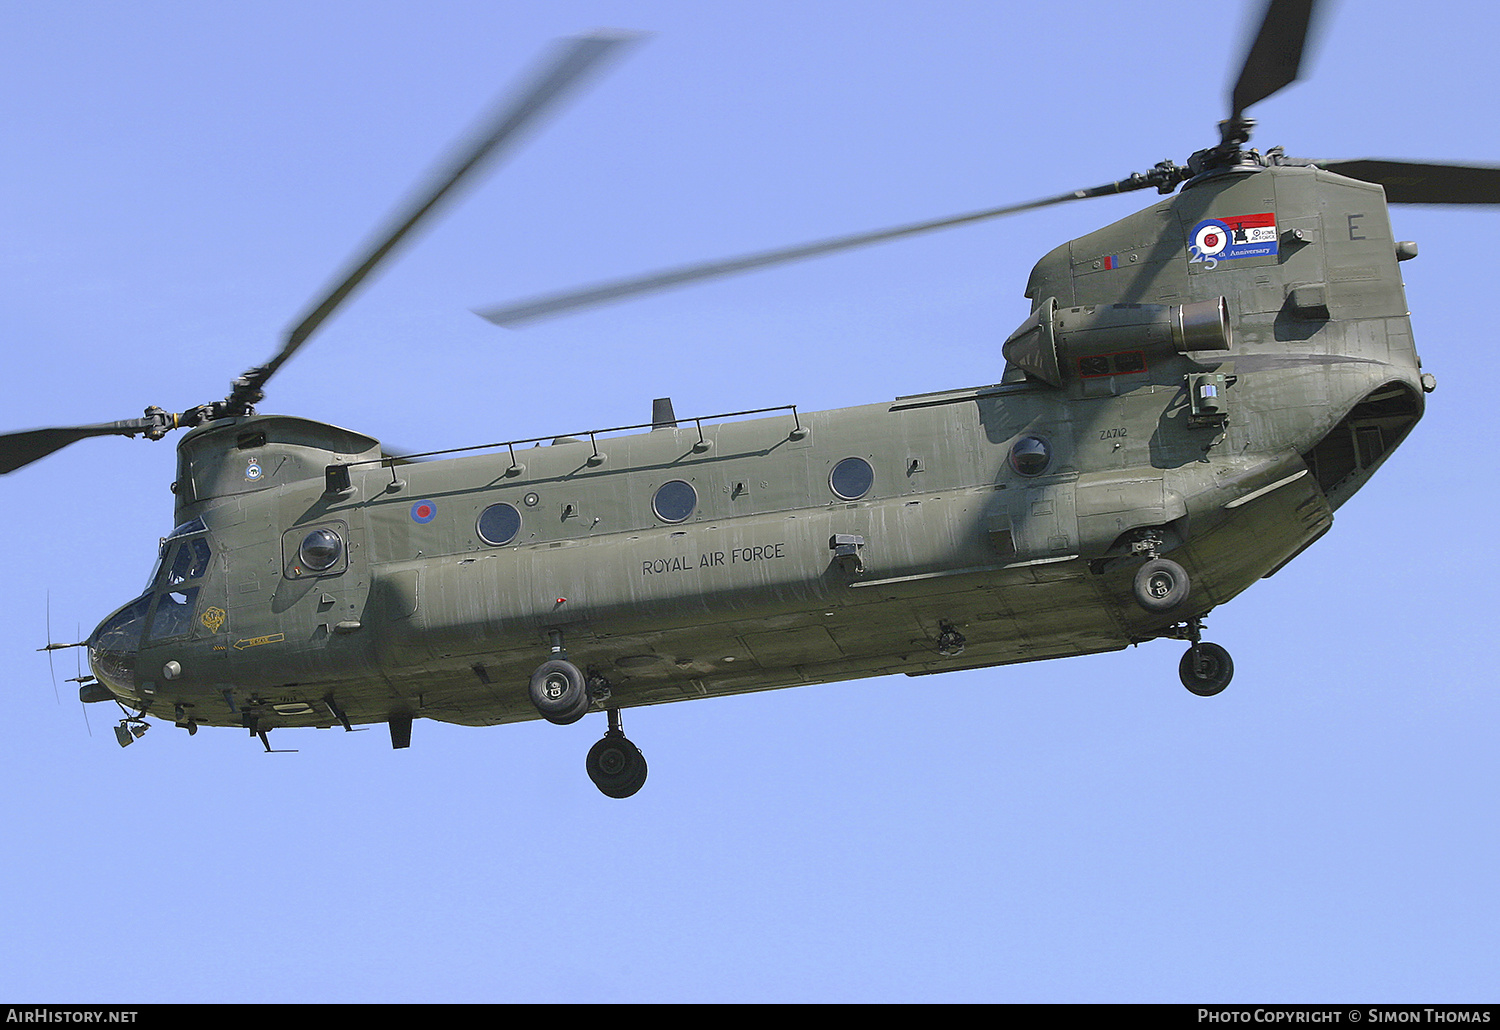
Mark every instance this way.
x=1194 y=392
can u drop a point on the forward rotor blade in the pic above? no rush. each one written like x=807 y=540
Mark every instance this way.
x=1275 y=56
x=510 y=315
x=1411 y=182
x=20 y=449
x=577 y=57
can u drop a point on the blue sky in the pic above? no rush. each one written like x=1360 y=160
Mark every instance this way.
x=182 y=178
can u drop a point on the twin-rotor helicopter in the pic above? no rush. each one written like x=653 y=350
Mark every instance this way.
x=1195 y=390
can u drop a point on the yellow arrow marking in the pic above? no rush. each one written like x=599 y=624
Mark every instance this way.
x=270 y=638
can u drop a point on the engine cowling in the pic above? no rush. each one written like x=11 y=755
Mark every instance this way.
x=1055 y=344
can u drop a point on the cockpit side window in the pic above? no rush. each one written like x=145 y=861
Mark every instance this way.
x=190 y=562
x=174 y=614
x=184 y=559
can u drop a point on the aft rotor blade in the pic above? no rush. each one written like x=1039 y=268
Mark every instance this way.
x=1412 y=182
x=566 y=71
x=20 y=449
x=1276 y=54
x=510 y=315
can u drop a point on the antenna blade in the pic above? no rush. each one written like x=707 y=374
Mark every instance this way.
x=1275 y=56
x=51 y=669
x=510 y=315
x=1412 y=182
x=506 y=122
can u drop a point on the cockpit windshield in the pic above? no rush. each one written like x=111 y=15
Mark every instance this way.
x=164 y=611
x=113 y=646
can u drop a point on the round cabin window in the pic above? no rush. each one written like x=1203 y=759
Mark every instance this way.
x=320 y=550
x=1030 y=455
x=851 y=478
x=674 y=501
x=499 y=524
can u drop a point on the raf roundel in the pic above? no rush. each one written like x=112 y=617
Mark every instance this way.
x=1211 y=238
x=423 y=512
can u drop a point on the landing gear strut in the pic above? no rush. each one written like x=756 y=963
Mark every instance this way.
x=562 y=693
x=1206 y=668
x=616 y=766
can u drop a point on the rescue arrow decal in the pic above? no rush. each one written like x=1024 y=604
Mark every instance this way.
x=270 y=638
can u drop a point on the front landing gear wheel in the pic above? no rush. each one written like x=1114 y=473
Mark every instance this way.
x=559 y=692
x=616 y=766
x=1160 y=585
x=1206 y=669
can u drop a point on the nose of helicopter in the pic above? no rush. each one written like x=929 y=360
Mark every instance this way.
x=113 y=646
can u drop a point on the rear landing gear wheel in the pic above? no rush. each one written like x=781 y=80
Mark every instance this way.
x=616 y=766
x=559 y=692
x=1206 y=669
x=1160 y=585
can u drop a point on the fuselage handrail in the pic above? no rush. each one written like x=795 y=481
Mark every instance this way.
x=391 y=459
